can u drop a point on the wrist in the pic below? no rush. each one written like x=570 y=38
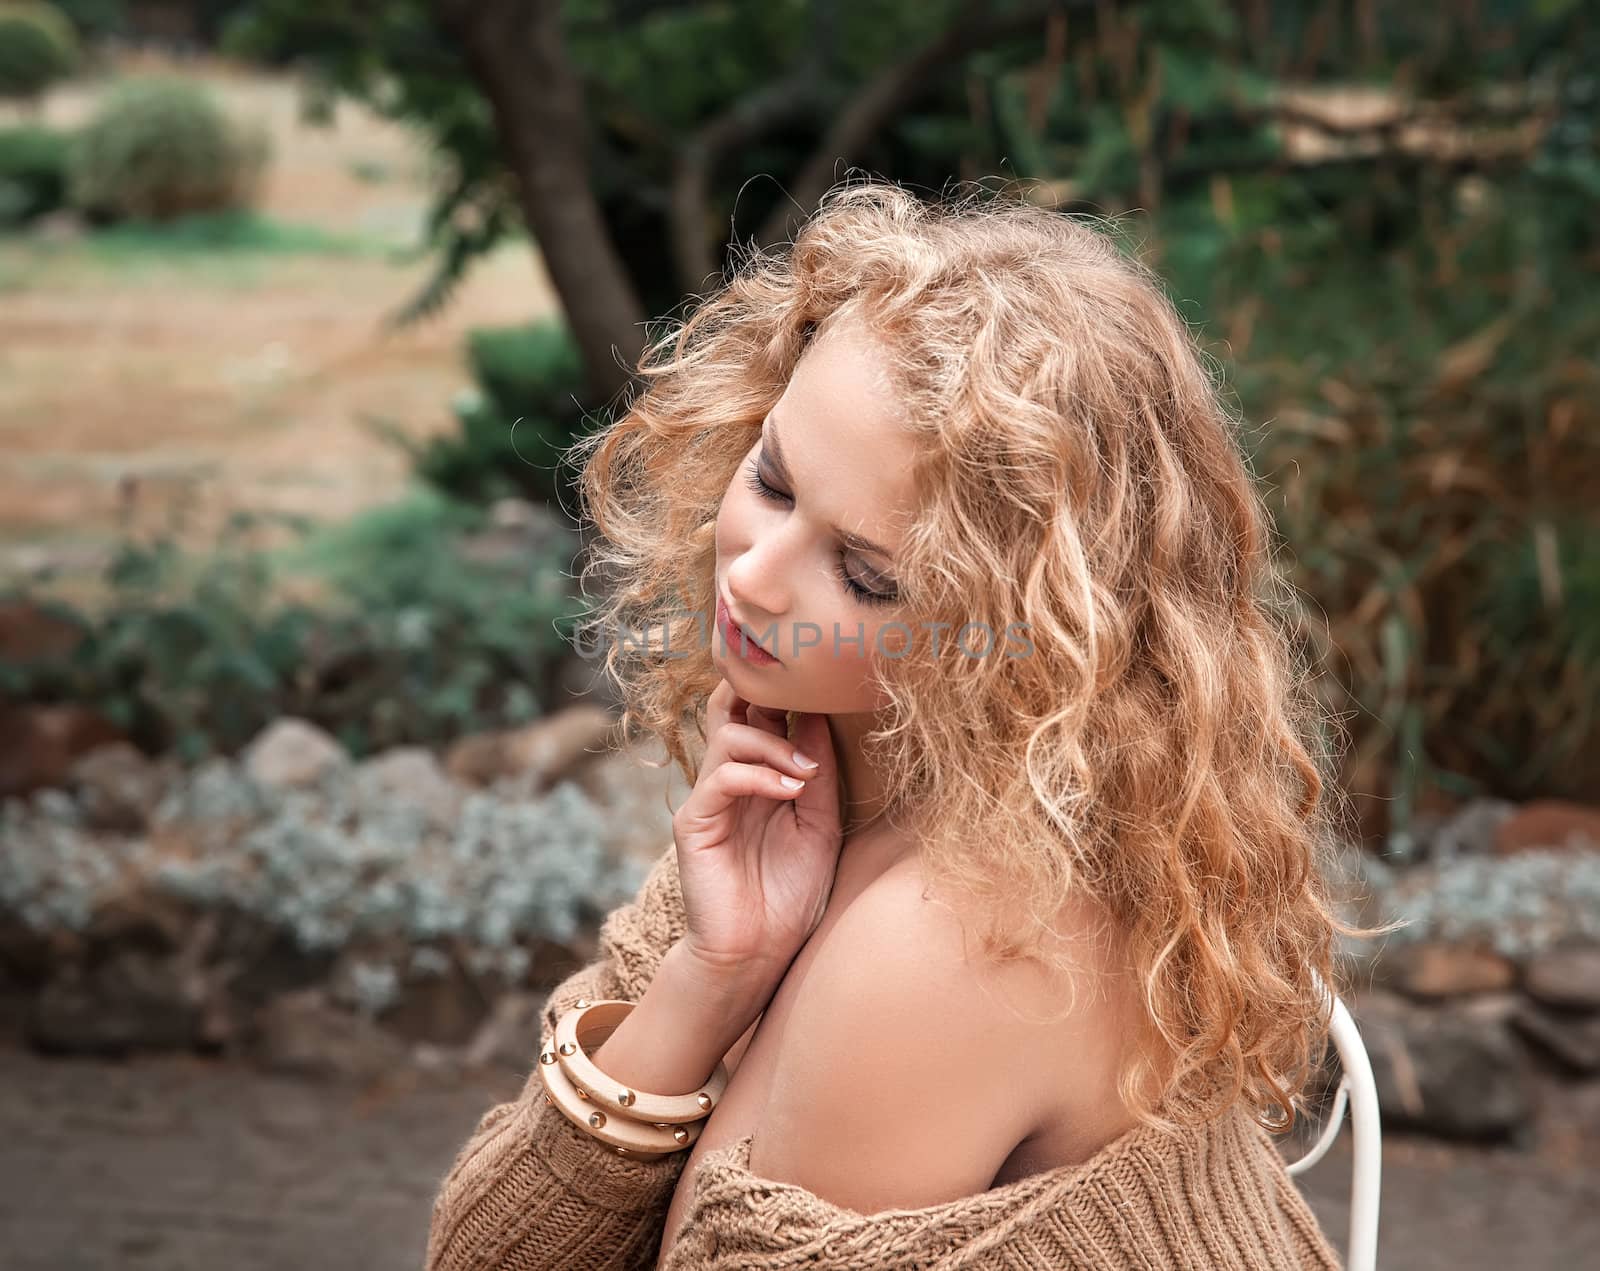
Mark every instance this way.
x=726 y=987
x=688 y=1019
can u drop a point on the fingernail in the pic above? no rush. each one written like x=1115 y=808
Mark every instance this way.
x=792 y=783
x=803 y=761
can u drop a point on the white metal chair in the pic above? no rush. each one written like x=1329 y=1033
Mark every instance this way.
x=1357 y=1087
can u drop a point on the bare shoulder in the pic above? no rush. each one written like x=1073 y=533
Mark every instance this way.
x=911 y=1068
x=1066 y=1016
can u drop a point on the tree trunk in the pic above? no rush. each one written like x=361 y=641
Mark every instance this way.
x=515 y=51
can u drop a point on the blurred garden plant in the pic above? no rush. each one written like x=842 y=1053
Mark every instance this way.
x=162 y=147
x=38 y=49
x=380 y=631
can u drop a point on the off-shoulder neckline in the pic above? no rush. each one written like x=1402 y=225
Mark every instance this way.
x=733 y=1160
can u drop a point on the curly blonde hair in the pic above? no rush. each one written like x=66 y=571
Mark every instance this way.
x=1160 y=751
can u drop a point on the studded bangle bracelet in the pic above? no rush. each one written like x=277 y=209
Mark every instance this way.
x=584 y=1028
x=623 y=1118
x=623 y=1135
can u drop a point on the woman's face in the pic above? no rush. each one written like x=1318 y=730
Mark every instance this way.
x=807 y=534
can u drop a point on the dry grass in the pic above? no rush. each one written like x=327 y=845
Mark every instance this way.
x=231 y=380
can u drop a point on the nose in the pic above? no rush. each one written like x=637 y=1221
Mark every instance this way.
x=758 y=579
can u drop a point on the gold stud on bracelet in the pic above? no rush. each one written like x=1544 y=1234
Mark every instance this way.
x=597 y=1119
x=620 y=1151
x=549 y=1100
x=625 y=1098
x=547 y=1057
x=582 y=1093
x=704 y=1100
x=581 y=1003
x=569 y=1048
x=681 y=1135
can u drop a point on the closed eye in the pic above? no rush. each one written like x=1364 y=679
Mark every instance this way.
x=864 y=594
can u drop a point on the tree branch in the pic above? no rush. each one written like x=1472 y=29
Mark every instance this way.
x=692 y=234
x=894 y=90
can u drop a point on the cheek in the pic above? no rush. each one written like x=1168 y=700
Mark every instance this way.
x=733 y=520
x=850 y=654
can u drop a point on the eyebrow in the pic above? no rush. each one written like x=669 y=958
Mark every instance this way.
x=769 y=436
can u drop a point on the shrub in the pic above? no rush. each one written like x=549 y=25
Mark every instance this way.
x=33 y=172
x=333 y=866
x=1430 y=438
x=160 y=148
x=517 y=422
x=38 y=48
x=386 y=631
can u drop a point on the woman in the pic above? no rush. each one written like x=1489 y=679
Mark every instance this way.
x=994 y=918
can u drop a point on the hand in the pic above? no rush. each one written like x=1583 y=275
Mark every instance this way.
x=756 y=859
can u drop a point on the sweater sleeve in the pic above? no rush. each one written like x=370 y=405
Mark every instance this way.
x=530 y=1190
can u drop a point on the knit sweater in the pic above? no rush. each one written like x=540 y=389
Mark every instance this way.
x=530 y=1191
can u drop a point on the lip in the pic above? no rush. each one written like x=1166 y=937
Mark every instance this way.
x=746 y=648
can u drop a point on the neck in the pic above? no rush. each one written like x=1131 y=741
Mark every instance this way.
x=863 y=802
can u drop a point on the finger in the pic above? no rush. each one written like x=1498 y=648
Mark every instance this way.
x=710 y=800
x=723 y=704
x=817 y=806
x=747 y=744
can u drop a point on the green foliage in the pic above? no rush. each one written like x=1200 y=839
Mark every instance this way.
x=404 y=637
x=398 y=61
x=33 y=172
x=1409 y=326
x=1416 y=361
x=518 y=422
x=38 y=48
x=162 y=147
x=95 y=19
x=208 y=235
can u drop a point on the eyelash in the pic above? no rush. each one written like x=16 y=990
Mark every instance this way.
x=856 y=589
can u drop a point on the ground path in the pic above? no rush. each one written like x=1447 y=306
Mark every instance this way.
x=184 y=1164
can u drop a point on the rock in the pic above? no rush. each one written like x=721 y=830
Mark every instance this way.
x=445 y=1009
x=16 y=1007
x=637 y=800
x=1569 y=1129
x=1491 y=1008
x=1549 y=823
x=551 y=961
x=1444 y=1071
x=28 y=957
x=118 y=787
x=559 y=746
x=438 y=1062
x=258 y=962
x=138 y=919
x=510 y=1036
x=1436 y=970
x=132 y=1001
x=304 y=1034
x=1573 y=1040
x=411 y=776
x=292 y=753
x=31 y=632
x=1469 y=831
x=475 y=760
x=536 y=756
x=1567 y=979
x=39 y=745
